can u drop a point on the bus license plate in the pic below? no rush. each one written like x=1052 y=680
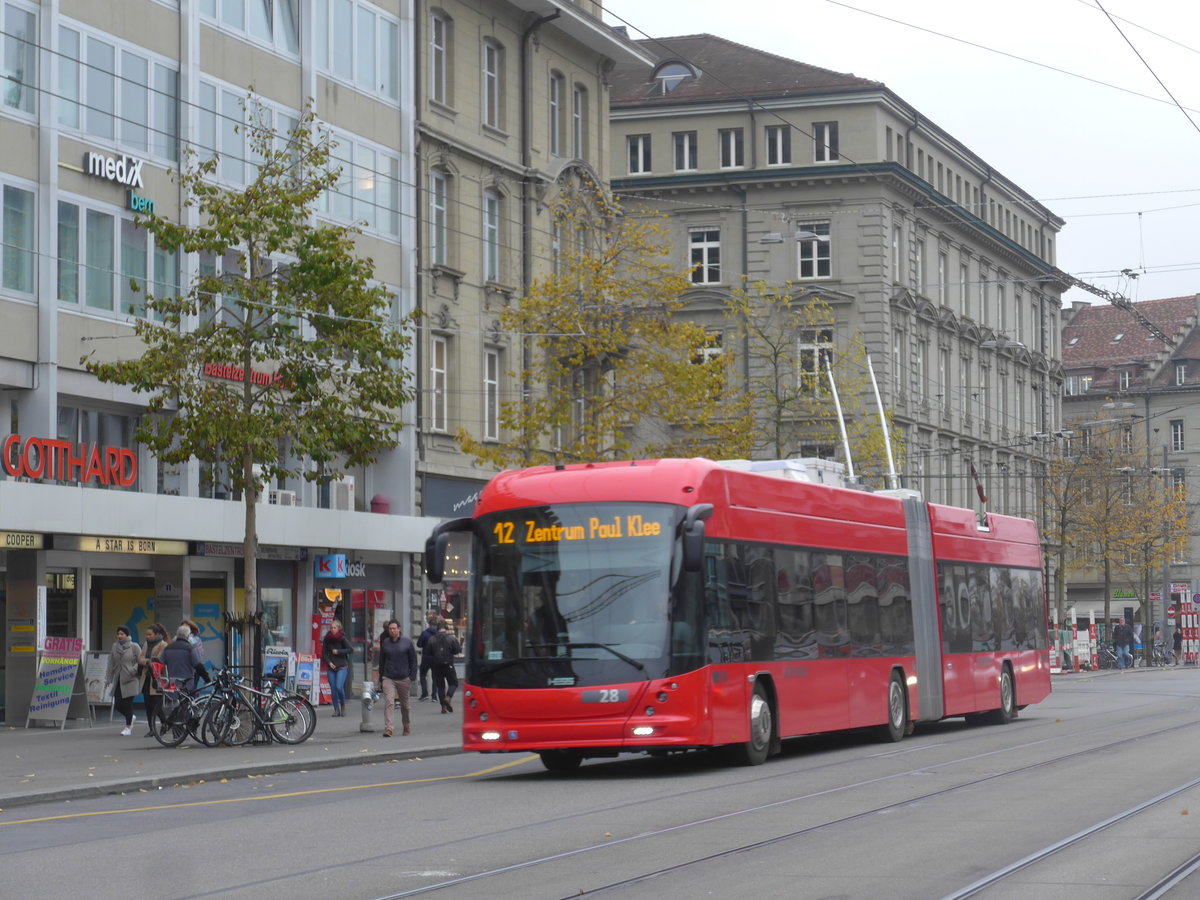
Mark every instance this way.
x=606 y=696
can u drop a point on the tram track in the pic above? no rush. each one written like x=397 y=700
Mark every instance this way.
x=777 y=840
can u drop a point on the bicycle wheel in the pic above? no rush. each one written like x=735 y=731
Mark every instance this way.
x=292 y=719
x=229 y=720
x=170 y=729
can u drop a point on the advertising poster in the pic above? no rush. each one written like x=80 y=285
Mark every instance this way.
x=58 y=667
x=95 y=664
x=308 y=677
x=280 y=657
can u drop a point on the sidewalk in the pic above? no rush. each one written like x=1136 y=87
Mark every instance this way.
x=42 y=763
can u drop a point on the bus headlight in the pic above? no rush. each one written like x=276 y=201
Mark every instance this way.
x=643 y=731
x=490 y=736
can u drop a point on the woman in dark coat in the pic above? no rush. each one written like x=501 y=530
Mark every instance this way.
x=336 y=651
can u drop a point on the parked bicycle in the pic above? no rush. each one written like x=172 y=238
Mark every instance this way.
x=1160 y=655
x=1106 y=656
x=240 y=713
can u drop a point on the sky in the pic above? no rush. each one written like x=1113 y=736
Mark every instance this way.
x=1079 y=108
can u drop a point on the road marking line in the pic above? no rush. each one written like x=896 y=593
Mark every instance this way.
x=333 y=790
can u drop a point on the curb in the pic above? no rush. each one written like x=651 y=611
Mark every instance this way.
x=108 y=788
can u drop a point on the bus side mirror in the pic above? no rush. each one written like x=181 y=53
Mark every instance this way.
x=435 y=547
x=692 y=534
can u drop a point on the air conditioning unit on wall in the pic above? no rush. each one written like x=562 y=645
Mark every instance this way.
x=283 y=498
x=341 y=493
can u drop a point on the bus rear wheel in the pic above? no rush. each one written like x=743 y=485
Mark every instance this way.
x=754 y=752
x=560 y=760
x=897 y=711
x=1007 y=710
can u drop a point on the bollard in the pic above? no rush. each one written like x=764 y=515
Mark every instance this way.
x=369 y=696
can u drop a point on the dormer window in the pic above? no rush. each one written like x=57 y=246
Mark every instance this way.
x=1073 y=341
x=669 y=76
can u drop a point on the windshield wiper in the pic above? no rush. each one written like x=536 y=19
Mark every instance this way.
x=641 y=667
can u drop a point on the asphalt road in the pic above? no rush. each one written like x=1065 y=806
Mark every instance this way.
x=1093 y=793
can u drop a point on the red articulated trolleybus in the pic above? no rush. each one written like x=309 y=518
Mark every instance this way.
x=677 y=604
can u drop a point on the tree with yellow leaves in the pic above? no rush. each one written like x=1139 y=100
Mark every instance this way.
x=789 y=341
x=610 y=370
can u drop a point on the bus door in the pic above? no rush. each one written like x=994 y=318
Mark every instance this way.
x=959 y=581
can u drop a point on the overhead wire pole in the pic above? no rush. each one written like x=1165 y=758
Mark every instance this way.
x=1121 y=302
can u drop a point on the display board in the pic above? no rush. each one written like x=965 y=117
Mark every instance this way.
x=58 y=670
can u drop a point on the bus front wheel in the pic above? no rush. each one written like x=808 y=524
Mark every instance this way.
x=754 y=752
x=560 y=760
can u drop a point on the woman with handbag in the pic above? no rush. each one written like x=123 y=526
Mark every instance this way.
x=336 y=651
x=122 y=674
x=156 y=643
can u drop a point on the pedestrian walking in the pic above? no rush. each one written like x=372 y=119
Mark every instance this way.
x=336 y=651
x=201 y=675
x=442 y=648
x=181 y=657
x=156 y=643
x=1122 y=636
x=1177 y=641
x=431 y=621
x=397 y=669
x=122 y=674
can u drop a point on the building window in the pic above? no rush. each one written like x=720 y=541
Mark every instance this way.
x=439 y=58
x=275 y=23
x=825 y=141
x=491 y=236
x=1177 y=443
x=367 y=192
x=16 y=231
x=493 y=84
x=705 y=244
x=942 y=268
x=920 y=374
x=439 y=351
x=814 y=349
x=731 y=149
x=1181 y=373
x=670 y=75
x=639 y=153
x=964 y=299
x=579 y=106
x=439 y=211
x=779 y=145
x=1123 y=380
x=896 y=252
x=18 y=59
x=685 y=150
x=146 y=103
x=814 y=249
x=556 y=116
x=491 y=394
x=898 y=362
x=358 y=45
x=1077 y=384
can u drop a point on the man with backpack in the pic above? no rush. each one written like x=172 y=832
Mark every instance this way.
x=426 y=662
x=440 y=649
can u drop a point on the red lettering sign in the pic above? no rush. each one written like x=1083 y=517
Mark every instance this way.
x=64 y=461
x=237 y=373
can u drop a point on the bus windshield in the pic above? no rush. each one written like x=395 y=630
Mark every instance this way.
x=574 y=594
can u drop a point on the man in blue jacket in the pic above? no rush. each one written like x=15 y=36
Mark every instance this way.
x=397 y=669
x=431 y=623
